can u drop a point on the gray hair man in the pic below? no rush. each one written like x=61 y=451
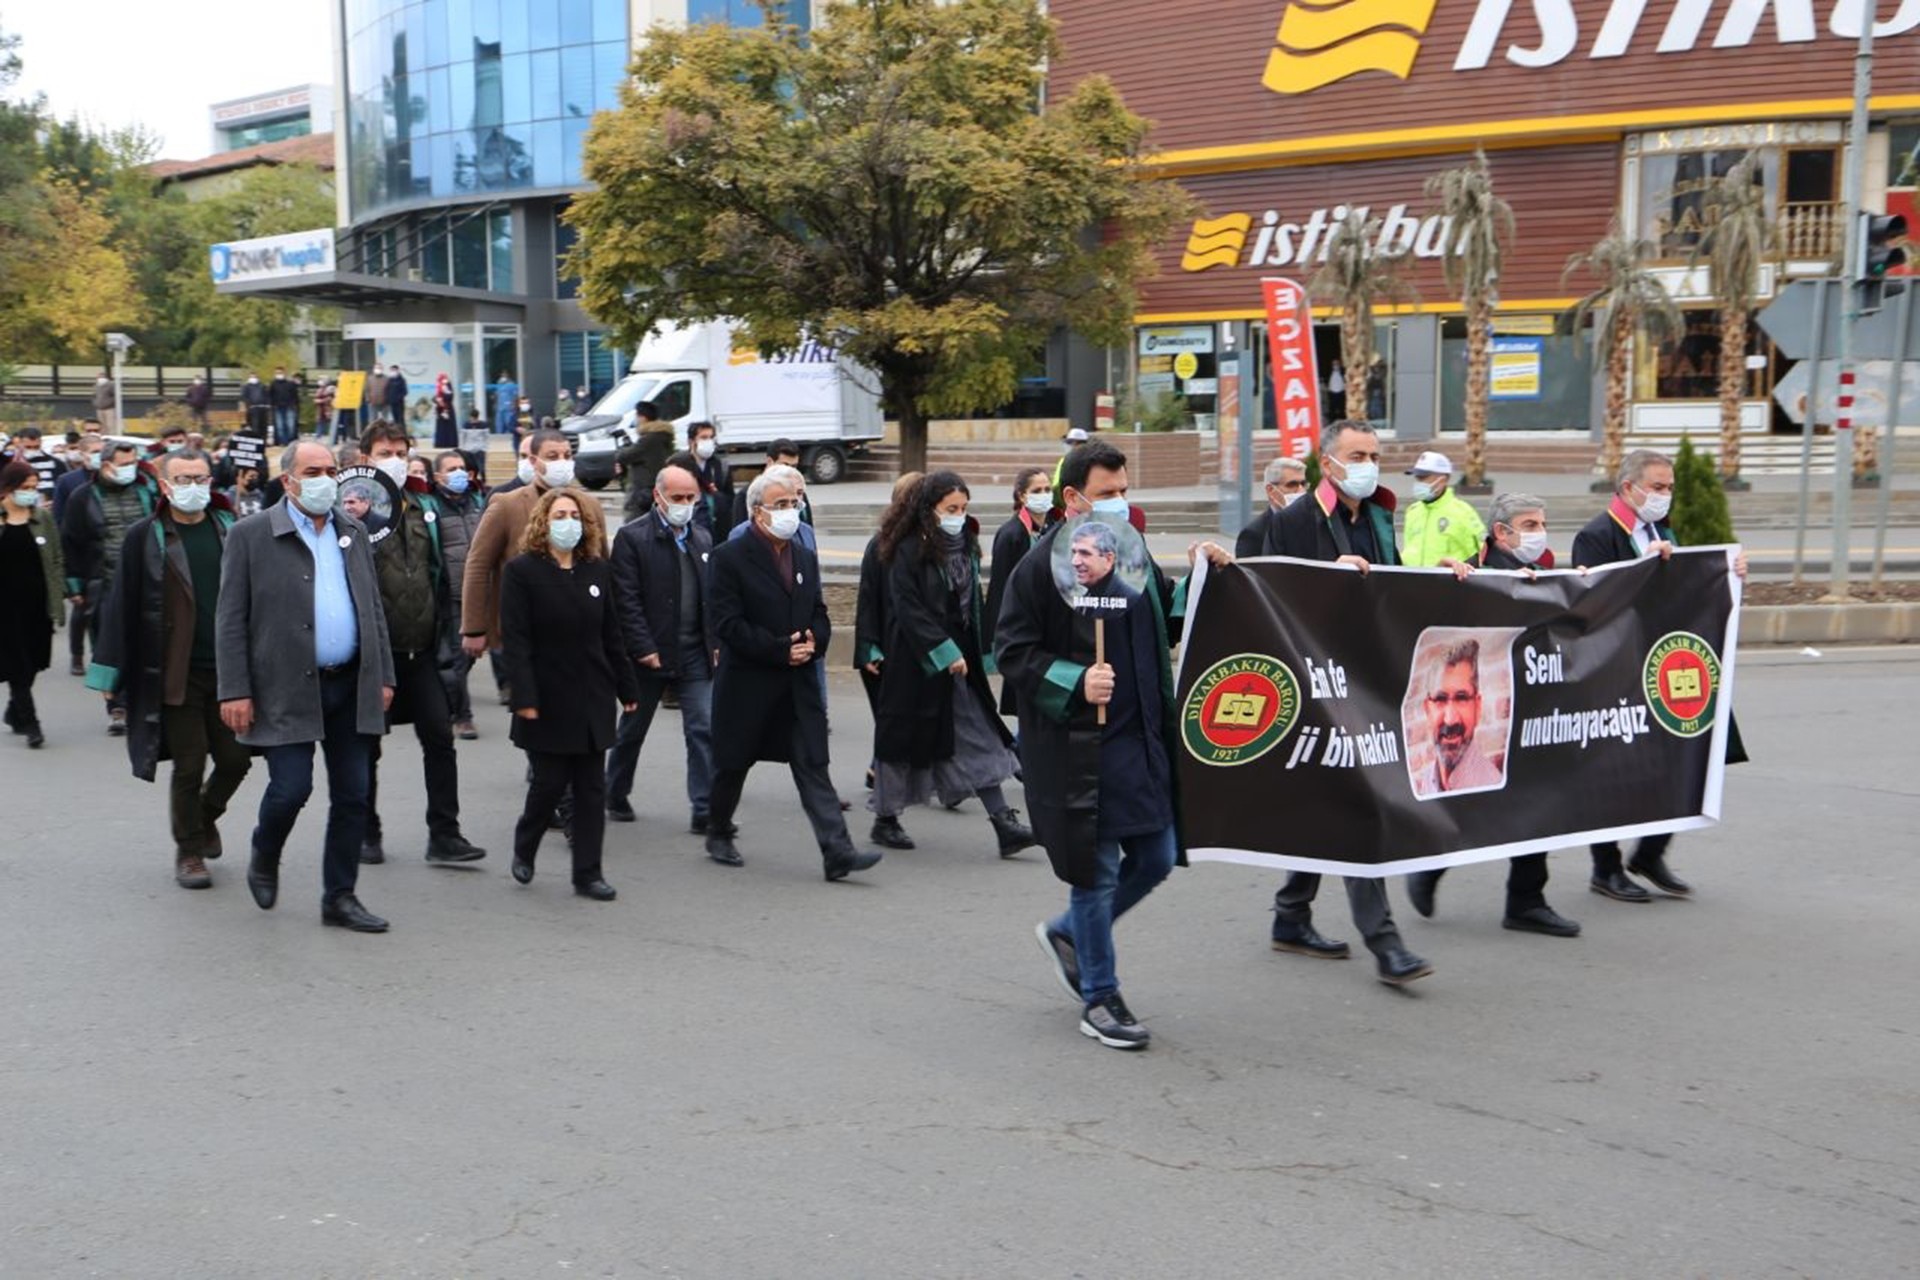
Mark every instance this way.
x=1633 y=526
x=1285 y=481
x=769 y=621
x=1517 y=541
x=303 y=659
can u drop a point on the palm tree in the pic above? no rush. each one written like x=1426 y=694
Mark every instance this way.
x=1477 y=226
x=1356 y=279
x=1737 y=239
x=1629 y=297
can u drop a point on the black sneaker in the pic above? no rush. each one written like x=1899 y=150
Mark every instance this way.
x=454 y=849
x=372 y=854
x=1111 y=1023
x=698 y=824
x=620 y=811
x=1058 y=948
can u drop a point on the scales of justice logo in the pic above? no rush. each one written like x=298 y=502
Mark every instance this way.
x=1239 y=709
x=1681 y=679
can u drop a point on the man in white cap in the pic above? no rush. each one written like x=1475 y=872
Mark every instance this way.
x=1075 y=437
x=1440 y=524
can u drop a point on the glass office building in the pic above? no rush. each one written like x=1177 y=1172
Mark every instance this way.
x=459 y=127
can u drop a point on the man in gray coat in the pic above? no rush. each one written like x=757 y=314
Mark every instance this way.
x=303 y=658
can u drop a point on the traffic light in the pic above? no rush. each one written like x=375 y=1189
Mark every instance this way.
x=1881 y=235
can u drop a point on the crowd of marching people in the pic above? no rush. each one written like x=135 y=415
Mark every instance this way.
x=243 y=616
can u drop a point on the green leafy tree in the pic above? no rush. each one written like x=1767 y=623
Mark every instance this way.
x=1356 y=280
x=1628 y=299
x=888 y=182
x=1737 y=239
x=1700 y=517
x=1478 y=226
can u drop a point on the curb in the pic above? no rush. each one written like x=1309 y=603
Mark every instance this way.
x=1894 y=623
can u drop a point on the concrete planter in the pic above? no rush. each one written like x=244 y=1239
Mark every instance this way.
x=1893 y=623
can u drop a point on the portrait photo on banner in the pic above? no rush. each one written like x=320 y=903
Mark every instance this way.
x=1457 y=716
x=370 y=497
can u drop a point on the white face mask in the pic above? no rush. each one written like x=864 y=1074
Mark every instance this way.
x=703 y=450
x=1362 y=478
x=1424 y=492
x=190 y=497
x=526 y=471
x=394 y=469
x=1530 y=547
x=1288 y=499
x=559 y=473
x=783 y=524
x=1039 y=503
x=1654 y=507
x=678 y=514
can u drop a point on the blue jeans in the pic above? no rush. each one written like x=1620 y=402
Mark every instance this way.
x=696 y=726
x=286 y=423
x=1130 y=868
x=290 y=781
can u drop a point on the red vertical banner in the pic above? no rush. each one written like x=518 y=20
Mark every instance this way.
x=1291 y=366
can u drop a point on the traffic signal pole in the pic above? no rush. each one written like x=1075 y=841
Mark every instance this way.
x=1854 y=180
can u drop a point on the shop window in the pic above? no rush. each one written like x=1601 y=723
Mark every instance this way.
x=1688 y=367
x=1674 y=202
x=1538 y=381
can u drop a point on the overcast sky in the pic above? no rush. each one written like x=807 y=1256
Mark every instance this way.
x=162 y=63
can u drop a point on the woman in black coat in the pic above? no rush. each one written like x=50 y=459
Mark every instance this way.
x=32 y=580
x=567 y=666
x=1033 y=514
x=936 y=730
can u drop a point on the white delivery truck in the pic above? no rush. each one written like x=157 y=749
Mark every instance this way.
x=825 y=404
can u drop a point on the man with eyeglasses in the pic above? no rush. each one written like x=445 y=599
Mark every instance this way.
x=1634 y=526
x=303 y=658
x=156 y=649
x=1286 y=484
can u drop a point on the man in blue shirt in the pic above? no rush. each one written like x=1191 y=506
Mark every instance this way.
x=303 y=658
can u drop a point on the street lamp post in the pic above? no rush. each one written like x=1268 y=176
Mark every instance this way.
x=119 y=344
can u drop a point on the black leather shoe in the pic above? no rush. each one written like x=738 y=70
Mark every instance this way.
x=1420 y=887
x=263 y=880
x=371 y=853
x=347 y=912
x=454 y=849
x=1011 y=832
x=720 y=848
x=697 y=823
x=1396 y=966
x=841 y=865
x=598 y=890
x=35 y=738
x=1616 y=885
x=522 y=871
x=1303 y=940
x=620 y=811
x=1654 y=870
x=1542 y=919
x=889 y=834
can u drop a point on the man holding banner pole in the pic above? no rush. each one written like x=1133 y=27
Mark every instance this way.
x=1348 y=520
x=1634 y=526
x=1102 y=793
x=1517 y=542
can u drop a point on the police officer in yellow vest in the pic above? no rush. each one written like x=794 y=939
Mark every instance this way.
x=1440 y=524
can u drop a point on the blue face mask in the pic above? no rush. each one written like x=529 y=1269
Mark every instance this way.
x=565 y=533
x=27 y=496
x=1112 y=507
x=953 y=526
x=456 y=481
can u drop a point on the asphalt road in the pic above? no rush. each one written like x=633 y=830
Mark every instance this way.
x=751 y=1073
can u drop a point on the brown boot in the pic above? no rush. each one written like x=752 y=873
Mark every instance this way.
x=191 y=873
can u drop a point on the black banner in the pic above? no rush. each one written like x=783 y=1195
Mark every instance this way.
x=1404 y=720
x=246 y=450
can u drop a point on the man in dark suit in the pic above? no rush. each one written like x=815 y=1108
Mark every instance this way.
x=660 y=587
x=1347 y=520
x=1517 y=541
x=1633 y=526
x=770 y=622
x=1286 y=484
